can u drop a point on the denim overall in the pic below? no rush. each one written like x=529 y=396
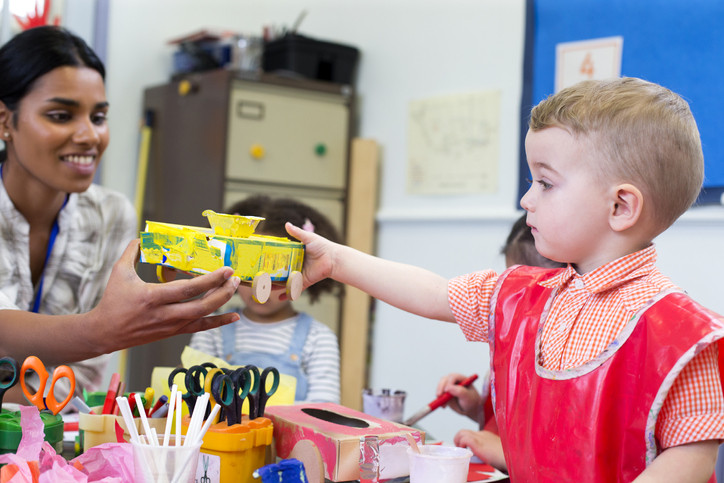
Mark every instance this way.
x=286 y=363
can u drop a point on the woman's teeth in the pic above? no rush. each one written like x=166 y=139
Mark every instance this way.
x=79 y=159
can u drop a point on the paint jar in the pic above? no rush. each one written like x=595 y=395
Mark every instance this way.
x=11 y=432
x=384 y=405
x=232 y=453
x=434 y=464
x=100 y=428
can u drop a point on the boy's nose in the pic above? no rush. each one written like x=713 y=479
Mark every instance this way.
x=526 y=201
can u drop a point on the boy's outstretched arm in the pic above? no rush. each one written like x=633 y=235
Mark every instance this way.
x=406 y=287
x=692 y=462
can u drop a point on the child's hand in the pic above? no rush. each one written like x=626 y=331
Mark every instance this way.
x=466 y=400
x=484 y=444
x=318 y=254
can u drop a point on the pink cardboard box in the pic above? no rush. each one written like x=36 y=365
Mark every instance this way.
x=335 y=431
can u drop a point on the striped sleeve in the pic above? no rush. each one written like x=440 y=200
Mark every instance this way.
x=208 y=342
x=320 y=362
x=469 y=298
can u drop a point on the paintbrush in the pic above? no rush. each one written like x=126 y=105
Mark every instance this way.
x=442 y=399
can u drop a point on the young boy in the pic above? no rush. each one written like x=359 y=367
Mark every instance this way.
x=603 y=371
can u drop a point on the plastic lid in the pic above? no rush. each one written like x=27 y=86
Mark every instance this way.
x=11 y=431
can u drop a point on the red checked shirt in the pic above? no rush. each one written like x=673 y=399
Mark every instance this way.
x=586 y=315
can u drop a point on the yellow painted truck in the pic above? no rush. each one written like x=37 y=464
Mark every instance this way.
x=259 y=259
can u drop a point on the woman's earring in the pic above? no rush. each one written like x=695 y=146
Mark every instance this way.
x=7 y=134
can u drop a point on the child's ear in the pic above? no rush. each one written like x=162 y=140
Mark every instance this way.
x=627 y=207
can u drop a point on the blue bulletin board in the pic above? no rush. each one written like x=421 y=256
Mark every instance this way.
x=676 y=43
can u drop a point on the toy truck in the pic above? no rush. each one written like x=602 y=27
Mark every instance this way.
x=259 y=259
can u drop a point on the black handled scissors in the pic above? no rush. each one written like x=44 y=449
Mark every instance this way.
x=259 y=394
x=229 y=389
x=8 y=378
x=194 y=381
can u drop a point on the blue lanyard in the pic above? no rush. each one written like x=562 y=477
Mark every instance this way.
x=53 y=235
x=51 y=242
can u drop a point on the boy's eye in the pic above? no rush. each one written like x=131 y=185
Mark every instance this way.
x=545 y=185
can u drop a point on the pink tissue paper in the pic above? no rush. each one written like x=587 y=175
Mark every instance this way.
x=108 y=463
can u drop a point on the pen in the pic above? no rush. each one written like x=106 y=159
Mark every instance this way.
x=161 y=401
x=149 y=399
x=132 y=404
x=81 y=406
x=111 y=394
x=442 y=399
x=119 y=392
x=160 y=412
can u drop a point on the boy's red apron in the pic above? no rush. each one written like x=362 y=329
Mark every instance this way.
x=594 y=423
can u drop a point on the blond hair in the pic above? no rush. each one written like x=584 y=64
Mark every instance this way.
x=646 y=134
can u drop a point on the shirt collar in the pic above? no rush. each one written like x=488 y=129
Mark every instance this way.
x=609 y=275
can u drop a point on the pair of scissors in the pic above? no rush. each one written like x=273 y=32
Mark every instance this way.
x=259 y=394
x=37 y=398
x=9 y=377
x=229 y=389
x=194 y=381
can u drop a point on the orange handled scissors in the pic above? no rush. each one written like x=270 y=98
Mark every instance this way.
x=32 y=363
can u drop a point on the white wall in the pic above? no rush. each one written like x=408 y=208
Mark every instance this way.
x=410 y=49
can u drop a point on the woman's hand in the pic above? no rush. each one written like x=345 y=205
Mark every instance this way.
x=133 y=312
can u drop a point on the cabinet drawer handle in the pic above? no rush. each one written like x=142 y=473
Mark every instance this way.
x=250 y=110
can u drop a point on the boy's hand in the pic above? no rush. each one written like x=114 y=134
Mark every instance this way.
x=484 y=444
x=318 y=255
x=466 y=400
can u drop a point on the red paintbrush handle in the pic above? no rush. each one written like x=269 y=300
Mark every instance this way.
x=445 y=397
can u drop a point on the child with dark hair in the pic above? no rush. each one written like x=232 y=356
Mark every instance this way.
x=273 y=333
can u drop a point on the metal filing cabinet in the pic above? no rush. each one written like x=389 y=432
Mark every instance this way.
x=219 y=136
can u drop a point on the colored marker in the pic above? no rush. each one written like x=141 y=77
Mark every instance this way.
x=81 y=406
x=160 y=412
x=148 y=402
x=111 y=394
x=161 y=401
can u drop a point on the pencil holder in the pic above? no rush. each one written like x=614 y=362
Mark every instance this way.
x=232 y=453
x=170 y=463
x=101 y=428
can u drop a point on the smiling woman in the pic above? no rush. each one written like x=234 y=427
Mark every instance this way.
x=61 y=297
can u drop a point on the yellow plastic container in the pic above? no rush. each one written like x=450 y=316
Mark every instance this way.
x=235 y=451
x=101 y=428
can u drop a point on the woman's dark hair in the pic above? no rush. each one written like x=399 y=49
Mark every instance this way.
x=276 y=212
x=32 y=54
x=520 y=247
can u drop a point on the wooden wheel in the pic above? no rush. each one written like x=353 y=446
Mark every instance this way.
x=310 y=456
x=261 y=287
x=295 y=283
